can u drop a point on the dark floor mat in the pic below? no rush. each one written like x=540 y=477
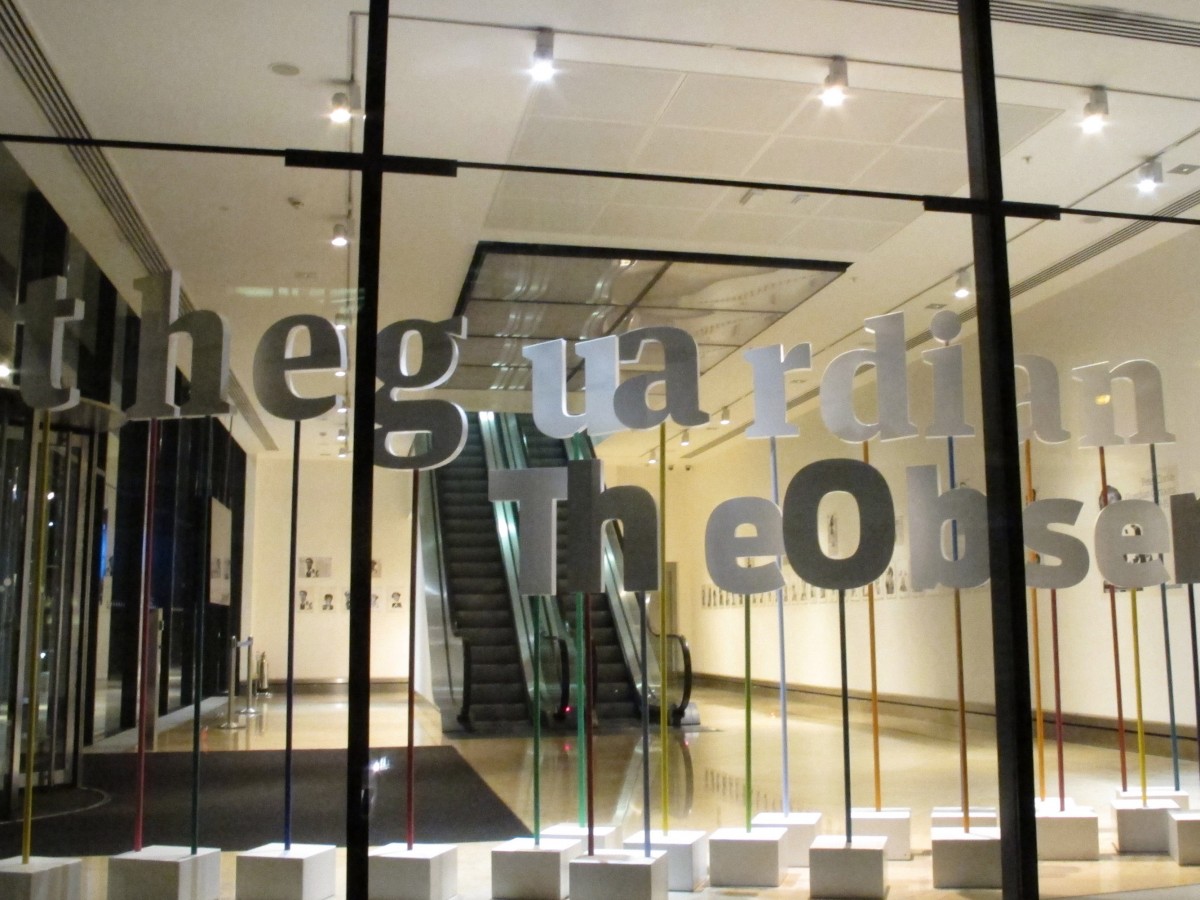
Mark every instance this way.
x=241 y=802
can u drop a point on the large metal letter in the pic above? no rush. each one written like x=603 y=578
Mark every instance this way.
x=536 y=492
x=275 y=361
x=680 y=376
x=928 y=511
x=770 y=365
x=589 y=506
x=723 y=547
x=42 y=316
x=1096 y=403
x=1148 y=537
x=891 y=385
x=1071 y=552
x=1042 y=400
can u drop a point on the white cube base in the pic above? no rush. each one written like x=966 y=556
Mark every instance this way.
x=269 y=872
x=952 y=817
x=1184 y=836
x=857 y=869
x=741 y=858
x=628 y=874
x=966 y=859
x=426 y=872
x=1143 y=828
x=42 y=878
x=801 y=829
x=895 y=824
x=686 y=852
x=170 y=873
x=522 y=870
x=605 y=837
x=1181 y=798
x=1071 y=833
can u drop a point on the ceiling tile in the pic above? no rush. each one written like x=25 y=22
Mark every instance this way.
x=577 y=143
x=744 y=228
x=868 y=208
x=1019 y=122
x=692 y=151
x=734 y=104
x=772 y=203
x=841 y=236
x=877 y=116
x=945 y=128
x=917 y=170
x=649 y=193
x=542 y=215
x=800 y=160
x=562 y=188
x=613 y=93
x=626 y=220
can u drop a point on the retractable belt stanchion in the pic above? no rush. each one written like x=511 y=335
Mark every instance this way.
x=248 y=710
x=231 y=722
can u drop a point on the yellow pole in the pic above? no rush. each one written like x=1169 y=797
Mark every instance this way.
x=866 y=456
x=35 y=643
x=1040 y=718
x=663 y=745
x=1137 y=687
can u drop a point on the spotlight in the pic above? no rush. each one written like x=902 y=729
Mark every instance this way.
x=341 y=320
x=5 y=370
x=343 y=408
x=340 y=373
x=340 y=238
x=1150 y=176
x=341 y=434
x=962 y=285
x=1095 y=112
x=653 y=460
x=685 y=439
x=343 y=453
x=725 y=416
x=836 y=83
x=341 y=111
x=543 y=56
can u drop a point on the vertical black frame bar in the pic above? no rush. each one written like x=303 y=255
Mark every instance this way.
x=358 y=740
x=1010 y=639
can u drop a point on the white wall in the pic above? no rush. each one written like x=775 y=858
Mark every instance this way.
x=1144 y=308
x=322 y=638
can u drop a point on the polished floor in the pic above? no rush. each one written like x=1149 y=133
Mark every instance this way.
x=706 y=771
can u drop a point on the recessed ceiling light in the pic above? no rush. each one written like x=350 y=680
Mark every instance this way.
x=935 y=305
x=286 y=69
x=1184 y=169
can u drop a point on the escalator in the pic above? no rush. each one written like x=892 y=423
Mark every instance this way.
x=481 y=630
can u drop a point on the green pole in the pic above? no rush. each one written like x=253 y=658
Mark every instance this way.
x=537 y=721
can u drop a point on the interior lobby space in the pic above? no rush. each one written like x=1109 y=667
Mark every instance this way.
x=793 y=402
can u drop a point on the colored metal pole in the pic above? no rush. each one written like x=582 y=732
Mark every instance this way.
x=537 y=721
x=1137 y=690
x=1166 y=621
x=362 y=473
x=964 y=781
x=749 y=793
x=1058 y=723
x=783 y=688
x=581 y=710
x=1039 y=717
x=198 y=637
x=664 y=668
x=144 y=657
x=845 y=714
x=866 y=454
x=35 y=640
x=410 y=815
x=290 y=690
x=645 y=642
x=1195 y=655
x=1116 y=641
x=590 y=732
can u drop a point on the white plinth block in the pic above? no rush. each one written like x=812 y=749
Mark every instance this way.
x=1073 y=833
x=687 y=856
x=1143 y=828
x=895 y=824
x=741 y=858
x=628 y=874
x=801 y=828
x=857 y=869
x=42 y=878
x=952 y=817
x=1184 y=836
x=169 y=873
x=606 y=837
x=1181 y=798
x=269 y=872
x=426 y=872
x=522 y=870
x=966 y=859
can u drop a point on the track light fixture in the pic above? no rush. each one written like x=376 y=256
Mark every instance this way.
x=341 y=435
x=1150 y=176
x=725 y=415
x=962 y=285
x=341 y=320
x=343 y=453
x=1095 y=111
x=543 y=56
x=340 y=237
x=685 y=438
x=836 y=82
x=653 y=460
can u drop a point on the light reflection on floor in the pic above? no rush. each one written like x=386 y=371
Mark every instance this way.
x=920 y=765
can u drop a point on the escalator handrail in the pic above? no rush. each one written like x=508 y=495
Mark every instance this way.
x=685 y=697
x=464 y=714
x=564 y=676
